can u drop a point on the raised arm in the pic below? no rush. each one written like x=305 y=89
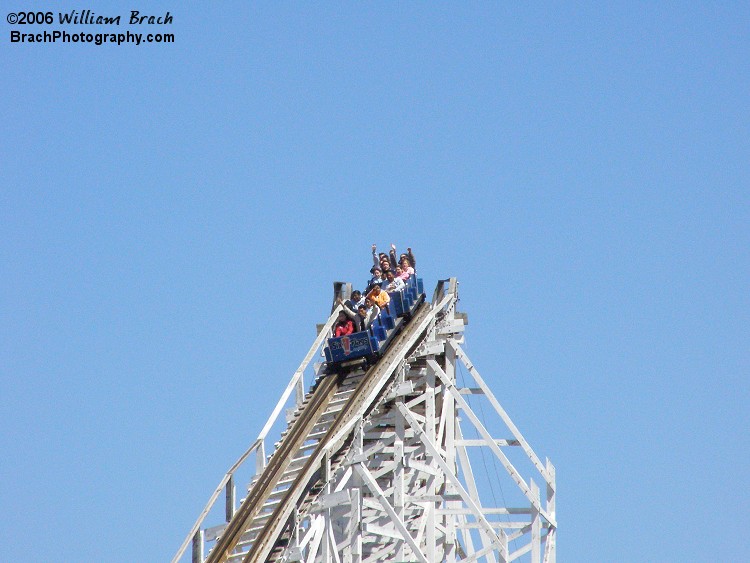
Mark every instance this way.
x=374 y=312
x=411 y=258
x=392 y=255
x=347 y=311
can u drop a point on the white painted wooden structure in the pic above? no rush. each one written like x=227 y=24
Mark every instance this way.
x=403 y=462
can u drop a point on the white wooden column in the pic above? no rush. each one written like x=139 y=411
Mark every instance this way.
x=550 y=547
x=449 y=405
x=398 y=479
x=536 y=526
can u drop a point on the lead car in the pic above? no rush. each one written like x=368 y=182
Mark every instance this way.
x=361 y=349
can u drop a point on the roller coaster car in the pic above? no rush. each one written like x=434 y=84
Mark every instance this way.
x=362 y=349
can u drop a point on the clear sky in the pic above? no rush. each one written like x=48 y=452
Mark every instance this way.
x=172 y=217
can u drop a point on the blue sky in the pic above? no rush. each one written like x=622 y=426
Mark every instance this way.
x=172 y=216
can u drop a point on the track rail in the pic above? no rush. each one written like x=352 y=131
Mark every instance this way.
x=258 y=446
x=265 y=513
x=364 y=398
x=278 y=463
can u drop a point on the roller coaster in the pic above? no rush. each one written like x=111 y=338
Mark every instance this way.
x=379 y=460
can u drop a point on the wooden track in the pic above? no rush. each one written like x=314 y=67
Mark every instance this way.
x=292 y=478
x=270 y=477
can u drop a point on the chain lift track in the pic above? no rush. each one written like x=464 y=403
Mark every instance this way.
x=376 y=465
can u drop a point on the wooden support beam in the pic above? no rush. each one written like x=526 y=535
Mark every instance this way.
x=372 y=484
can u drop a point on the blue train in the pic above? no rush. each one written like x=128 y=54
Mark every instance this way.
x=367 y=346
